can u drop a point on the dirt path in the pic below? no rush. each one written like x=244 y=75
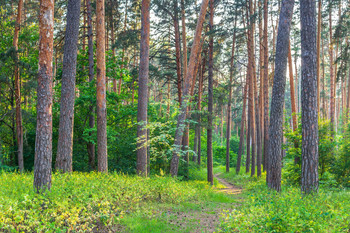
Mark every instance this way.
x=206 y=219
x=229 y=188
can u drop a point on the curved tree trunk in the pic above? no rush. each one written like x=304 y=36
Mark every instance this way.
x=309 y=165
x=143 y=95
x=101 y=108
x=278 y=90
x=65 y=130
x=43 y=140
x=174 y=165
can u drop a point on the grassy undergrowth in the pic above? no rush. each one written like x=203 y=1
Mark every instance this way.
x=82 y=202
x=264 y=210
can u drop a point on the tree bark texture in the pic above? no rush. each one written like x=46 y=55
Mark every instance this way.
x=266 y=88
x=19 y=126
x=318 y=46
x=277 y=102
x=43 y=140
x=241 y=138
x=309 y=118
x=210 y=98
x=65 y=130
x=199 y=108
x=252 y=80
x=101 y=108
x=292 y=91
x=174 y=165
x=177 y=52
x=143 y=95
x=332 y=86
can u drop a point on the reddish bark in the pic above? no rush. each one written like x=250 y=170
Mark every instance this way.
x=43 y=141
x=19 y=127
x=101 y=108
x=143 y=95
x=189 y=75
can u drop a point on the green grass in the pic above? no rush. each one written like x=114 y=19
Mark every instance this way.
x=264 y=210
x=83 y=202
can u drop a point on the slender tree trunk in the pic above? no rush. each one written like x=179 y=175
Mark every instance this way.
x=228 y=126
x=210 y=98
x=252 y=80
x=332 y=97
x=199 y=108
x=143 y=95
x=184 y=46
x=319 y=21
x=65 y=131
x=241 y=138
x=309 y=166
x=189 y=75
x=90 y=146
x=177 y=50
x=259 y=99
x=113 y=51
x=169 y=98
x=279 y=83
x=43 y=141
x=292 y=91
x=84 y=24
x=19 y=126
x=266 y=87
x=101 y=108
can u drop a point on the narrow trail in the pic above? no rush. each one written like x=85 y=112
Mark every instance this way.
x=206 y=218
x=229 y=188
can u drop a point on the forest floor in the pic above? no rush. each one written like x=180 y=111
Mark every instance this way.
x=114 y=202
x=193 y=217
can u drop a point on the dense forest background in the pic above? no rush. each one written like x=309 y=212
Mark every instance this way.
x=171 y=37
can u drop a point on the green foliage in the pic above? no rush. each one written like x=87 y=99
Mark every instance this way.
x=326 y=149
x=341 y=167
x=219 y=156
x=234 y=144
x=264 y=210
x=81 y=202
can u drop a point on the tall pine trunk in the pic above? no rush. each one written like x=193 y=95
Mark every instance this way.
x=65 y=131
x=266 y=87
x=143 y=95
x=277 y=102
x=332 y=86
x=210 y=175
x=228 y=126
x=90 y=145
x=101 y=108
x=252 y=80
x=43 y=140
x=309 y=166
x=19 y=126
x=241 y=138
x=319 y=22
x=177 y=51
